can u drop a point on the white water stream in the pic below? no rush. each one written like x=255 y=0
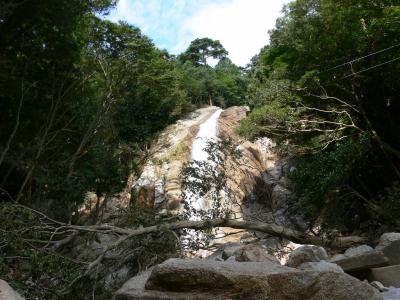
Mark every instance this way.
x=207 y=133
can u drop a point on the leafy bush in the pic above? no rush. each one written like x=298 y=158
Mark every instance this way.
x=322 y=182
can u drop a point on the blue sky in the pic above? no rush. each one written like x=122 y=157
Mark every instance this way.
x=241 y=25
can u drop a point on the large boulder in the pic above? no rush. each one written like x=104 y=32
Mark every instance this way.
x=7 y=292
x=307 y=253
x=389 y=244
x=388 y=276
x=207 y=279
x=360 y=258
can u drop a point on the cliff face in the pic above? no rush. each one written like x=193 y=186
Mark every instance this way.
x=244 y=171
x=159 y=185
x=255 y=176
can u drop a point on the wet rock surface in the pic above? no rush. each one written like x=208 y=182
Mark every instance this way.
x=159 y=184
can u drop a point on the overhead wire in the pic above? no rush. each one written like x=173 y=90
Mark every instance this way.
x=362 y=57
x=373 y=67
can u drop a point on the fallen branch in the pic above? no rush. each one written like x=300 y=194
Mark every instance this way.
x=68 y=232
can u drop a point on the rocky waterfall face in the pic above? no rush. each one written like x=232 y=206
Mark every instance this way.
x=207 y=133
x=256 y=177
x=244 y=264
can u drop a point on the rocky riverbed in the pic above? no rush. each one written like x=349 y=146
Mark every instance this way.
x=249 y=271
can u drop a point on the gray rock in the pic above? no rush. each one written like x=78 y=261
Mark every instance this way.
x=7 y=292
x=389 y=244
x=217 y=255
x=356 y=251
x=117 y=276
x=307 y=253
x=320 y=266
x=388 y=276
x=206 y=279
x=379 y=286
x=360 y=258
x=254 y=253
x=136 y=283
x=230 y=250
x=279 y=196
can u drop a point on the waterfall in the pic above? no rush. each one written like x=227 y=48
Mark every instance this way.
x=207 y=133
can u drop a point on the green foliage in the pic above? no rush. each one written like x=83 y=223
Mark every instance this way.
x=265 y=120
x=31 y=265
x=321 y=108
x=387 y=206
x=81 y=96
x=230 y=85
x=33 y=272
x=200 y=50
x=224 y=85
x=81 y=100
x=322 y=181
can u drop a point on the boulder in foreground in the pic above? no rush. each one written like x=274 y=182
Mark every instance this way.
x=7 y=292
x=207 y=279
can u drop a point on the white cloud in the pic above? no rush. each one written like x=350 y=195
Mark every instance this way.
x=241 y=26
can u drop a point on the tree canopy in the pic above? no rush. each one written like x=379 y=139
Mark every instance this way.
x=202 y=49
x=325 y=88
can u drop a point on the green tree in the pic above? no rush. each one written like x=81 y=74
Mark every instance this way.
x=200 y=50
x=325 y=83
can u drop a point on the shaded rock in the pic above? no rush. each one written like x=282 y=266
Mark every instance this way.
x=320 y=266
x=7 y=292
x=280 y=196
x=206 y=279
x=231 y=250
x=118 y=276
x=254 y=253
x=145 y=198
x=307 y=253
x=388 y=276
x=389 y=244
x=136 y=283
x=360 y=258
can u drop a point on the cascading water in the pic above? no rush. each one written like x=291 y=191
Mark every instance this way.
x=207 y=133
x=196 y=202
